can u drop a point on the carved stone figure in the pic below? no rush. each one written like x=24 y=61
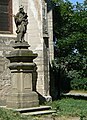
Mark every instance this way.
x=21 y=22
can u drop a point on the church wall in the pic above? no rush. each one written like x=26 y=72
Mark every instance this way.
x=35 y=38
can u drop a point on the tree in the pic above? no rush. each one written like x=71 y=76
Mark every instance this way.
x=70 y=39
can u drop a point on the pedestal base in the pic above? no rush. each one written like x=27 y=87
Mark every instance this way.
x=22 y=68
x=22 y=100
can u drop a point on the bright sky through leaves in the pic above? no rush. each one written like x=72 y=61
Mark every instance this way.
x=74 y=1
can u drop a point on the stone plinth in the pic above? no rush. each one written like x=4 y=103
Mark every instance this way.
x=22 y=68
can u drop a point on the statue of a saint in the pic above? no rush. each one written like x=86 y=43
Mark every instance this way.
x=21 y=22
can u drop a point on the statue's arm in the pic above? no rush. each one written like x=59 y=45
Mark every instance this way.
x=18 y=19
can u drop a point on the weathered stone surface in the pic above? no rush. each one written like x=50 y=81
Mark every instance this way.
x=35 y=37
x=22 y=100
x=5 y=74
x=21 y=94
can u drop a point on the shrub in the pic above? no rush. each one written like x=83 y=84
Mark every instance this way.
x=79 y=84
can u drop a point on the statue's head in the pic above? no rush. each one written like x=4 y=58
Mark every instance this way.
x=21 y=9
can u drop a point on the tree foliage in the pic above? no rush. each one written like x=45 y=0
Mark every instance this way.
x=70 y=41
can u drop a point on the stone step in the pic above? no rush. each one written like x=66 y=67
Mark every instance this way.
x=33 y=109
x=40 y=112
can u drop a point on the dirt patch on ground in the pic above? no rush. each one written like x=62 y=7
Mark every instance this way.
x=50 y=117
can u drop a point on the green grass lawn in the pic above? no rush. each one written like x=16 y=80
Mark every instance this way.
x=70 y=107
x=6 y=114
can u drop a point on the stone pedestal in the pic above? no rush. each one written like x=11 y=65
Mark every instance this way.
x=22 y=68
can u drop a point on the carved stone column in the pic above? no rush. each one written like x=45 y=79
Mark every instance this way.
x=22 y=68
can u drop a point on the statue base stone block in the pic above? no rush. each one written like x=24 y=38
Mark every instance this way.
x=22 y=100
x=22 y=68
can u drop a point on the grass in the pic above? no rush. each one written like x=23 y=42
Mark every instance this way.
x=6 y=114
x=70 y=107
x=66 y=107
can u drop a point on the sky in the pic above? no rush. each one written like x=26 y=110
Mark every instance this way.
x=74 y=1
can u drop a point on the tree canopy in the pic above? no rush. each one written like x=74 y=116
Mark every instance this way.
x=70 y=42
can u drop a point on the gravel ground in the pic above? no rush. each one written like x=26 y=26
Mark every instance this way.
x=50 y=117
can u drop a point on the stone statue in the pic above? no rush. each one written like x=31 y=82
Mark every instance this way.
x=21 y=22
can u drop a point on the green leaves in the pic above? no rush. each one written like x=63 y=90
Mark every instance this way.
x=70 y=36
